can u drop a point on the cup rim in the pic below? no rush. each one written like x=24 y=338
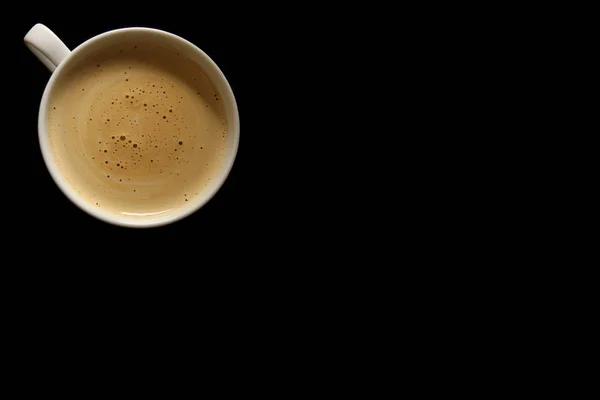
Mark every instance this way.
x=69 y=191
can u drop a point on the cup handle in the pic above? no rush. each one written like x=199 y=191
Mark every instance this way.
x=46 y=46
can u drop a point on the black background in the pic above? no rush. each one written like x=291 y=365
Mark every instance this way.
x=258 y=53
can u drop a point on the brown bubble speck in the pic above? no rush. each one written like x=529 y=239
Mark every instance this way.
x=122 y=138
x=180 y=142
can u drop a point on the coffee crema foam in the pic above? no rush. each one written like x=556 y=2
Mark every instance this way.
x=137 y=130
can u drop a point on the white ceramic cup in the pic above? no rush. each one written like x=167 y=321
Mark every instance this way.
x=51 y=51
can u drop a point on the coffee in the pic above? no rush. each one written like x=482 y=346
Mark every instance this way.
x=137 y=129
